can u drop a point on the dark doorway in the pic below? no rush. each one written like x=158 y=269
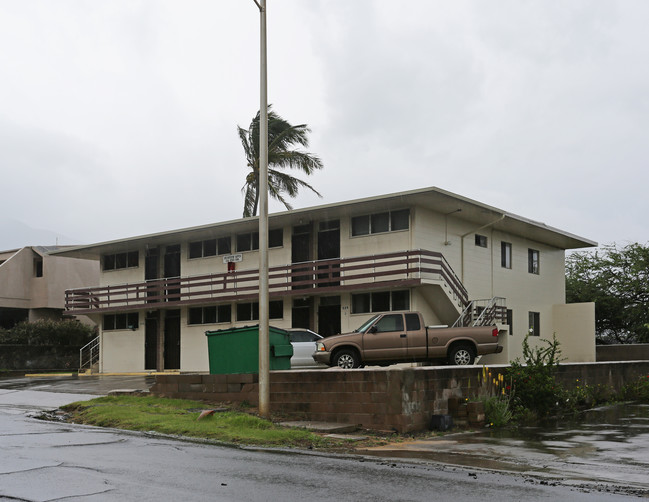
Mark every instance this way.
x=328 y=248
x=172 y=340
x=301 y=314
x=301 y=252
x=151 y=342
x=10 y=317
x=152 y=272
x=172 y=271
x=329 y=315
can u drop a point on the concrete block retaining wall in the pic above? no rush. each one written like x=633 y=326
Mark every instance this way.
x=626 y=352
x=399 y=399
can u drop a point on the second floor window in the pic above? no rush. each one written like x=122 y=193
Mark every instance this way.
x=506 y=254
x=250 y=240
x=38 y=267
x=376 y=223
x=120 y=260
x=210 y=247
x=481 y=240
x=533 y=261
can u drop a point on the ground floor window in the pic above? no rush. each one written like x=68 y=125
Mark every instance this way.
x=121 y=321
x=380 y=301
x=535 y=324
x=250 y=311
x=510 y=321
x=210 y=315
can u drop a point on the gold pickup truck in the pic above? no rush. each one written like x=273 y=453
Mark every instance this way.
x=399 y=337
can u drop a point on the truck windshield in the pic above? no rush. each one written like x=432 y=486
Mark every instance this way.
x=367 y=324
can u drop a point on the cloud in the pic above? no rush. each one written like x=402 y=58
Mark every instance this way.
x=120 y=117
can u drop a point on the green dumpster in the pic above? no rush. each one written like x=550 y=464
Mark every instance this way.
x=236 y=350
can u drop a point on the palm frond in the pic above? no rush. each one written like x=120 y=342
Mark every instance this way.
x=247 y=147
x=302 y=161
x=277 y=195
x=249 y=200
x=282 y=140
x=288 y=183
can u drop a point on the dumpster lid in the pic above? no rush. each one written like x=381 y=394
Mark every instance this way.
x=239 y=329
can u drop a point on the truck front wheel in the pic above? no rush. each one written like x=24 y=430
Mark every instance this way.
x=347 y=359
x=461 y=355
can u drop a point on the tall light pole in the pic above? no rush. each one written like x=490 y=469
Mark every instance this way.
x=264 y=346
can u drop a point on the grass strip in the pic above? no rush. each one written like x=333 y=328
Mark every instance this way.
x=179 y=417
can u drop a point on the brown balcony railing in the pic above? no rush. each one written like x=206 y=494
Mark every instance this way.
x=406 y=268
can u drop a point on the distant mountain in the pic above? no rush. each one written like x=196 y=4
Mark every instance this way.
x=15 y=234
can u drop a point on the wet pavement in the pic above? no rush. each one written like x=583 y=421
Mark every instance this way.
x=603 y=457
x=608 y=445
x=95 y=385
x=47 y=461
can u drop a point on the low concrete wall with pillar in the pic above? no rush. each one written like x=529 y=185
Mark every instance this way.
x=396 y=399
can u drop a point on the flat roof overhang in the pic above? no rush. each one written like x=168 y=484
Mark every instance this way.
x=432 y=198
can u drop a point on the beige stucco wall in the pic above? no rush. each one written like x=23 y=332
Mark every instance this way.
x=574 y=325
x=61 y=273
x=15 y=279
x=20 y=289
x=452 y=235
x=122 y=351
x=483 y=276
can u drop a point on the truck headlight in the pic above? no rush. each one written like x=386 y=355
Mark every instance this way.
x=319 y=347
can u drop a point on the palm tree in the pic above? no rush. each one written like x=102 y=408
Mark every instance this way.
x=282 y=137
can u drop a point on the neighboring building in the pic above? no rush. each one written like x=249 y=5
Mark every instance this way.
x=33 y=283
x=331 y=266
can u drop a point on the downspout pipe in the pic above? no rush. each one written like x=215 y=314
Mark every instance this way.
x=501 y=218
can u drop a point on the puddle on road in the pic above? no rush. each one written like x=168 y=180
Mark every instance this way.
x=607 y=444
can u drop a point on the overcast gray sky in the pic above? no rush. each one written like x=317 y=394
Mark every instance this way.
x=119 y=118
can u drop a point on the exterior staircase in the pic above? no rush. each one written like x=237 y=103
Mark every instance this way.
x=483 y=313
x=89 y=358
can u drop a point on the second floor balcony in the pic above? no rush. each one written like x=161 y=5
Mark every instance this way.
x=388 y=270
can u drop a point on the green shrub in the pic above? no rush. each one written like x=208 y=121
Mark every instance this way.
x=497 y=410
x=584 y=396
x=534 y=389
x=637 y=391
x=67 y=332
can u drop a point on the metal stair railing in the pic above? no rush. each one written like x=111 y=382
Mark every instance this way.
x=482 y=313
x=89 y=355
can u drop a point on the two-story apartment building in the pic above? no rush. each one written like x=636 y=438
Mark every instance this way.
x=332 y=266
x=33 y=283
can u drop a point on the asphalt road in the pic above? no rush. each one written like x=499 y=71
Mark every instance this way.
x=46 y=461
